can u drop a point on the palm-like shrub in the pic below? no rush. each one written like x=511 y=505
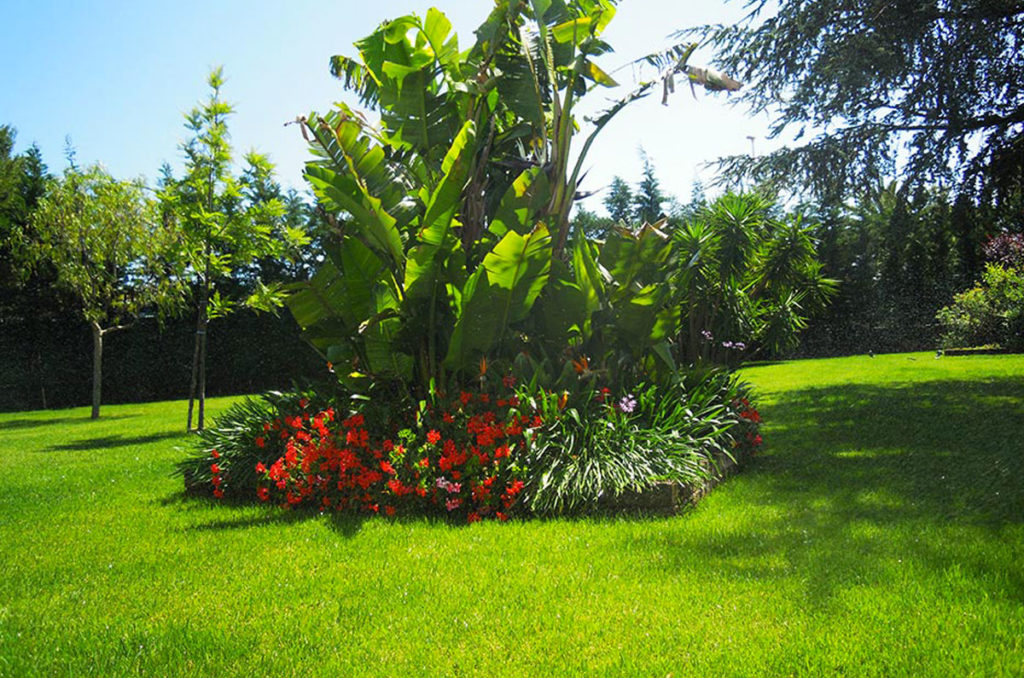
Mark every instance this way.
x=745 y=280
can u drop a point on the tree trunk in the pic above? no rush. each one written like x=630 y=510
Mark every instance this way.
x=42 y=377
x=195 y=372
x=202 y=375
x=97 y=368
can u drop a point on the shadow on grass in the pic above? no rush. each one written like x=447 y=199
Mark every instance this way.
x=859 y=481
x=108 y=442
x=345 y=523
x=16 y=424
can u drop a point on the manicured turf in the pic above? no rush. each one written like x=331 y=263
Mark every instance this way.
x=881 y=533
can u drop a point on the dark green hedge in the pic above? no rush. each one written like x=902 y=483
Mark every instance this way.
x=49 y=363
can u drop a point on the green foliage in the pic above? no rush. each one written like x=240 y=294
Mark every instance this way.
x=456 y=209
x=619 y=201
x=745 y=279
x=991 y=312
x=106 y=244
x=25 y=290
x=648 y=199
x=108 y=250
x=900 y=255
x=596 y=445
x=870 y=80
x=226 y=225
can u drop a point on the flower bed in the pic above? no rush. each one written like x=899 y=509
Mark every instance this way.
x=480 y=455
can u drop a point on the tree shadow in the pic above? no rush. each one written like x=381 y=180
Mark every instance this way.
x=857 y=477
x=108 y=442
x=16 y=424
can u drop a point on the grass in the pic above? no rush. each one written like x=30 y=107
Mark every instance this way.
x=881 y=533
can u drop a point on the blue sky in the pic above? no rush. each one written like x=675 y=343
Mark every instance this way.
x=117 y=77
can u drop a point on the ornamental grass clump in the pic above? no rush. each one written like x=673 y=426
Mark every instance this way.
x=597 y=446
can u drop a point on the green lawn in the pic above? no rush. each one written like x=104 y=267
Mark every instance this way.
x=881 y=533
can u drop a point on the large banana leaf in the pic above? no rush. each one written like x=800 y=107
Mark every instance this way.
x=499 y=293
x=437 y=243
x=521 y=204
x=358 y=181
x=353 y=292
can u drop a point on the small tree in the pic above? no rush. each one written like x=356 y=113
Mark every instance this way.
x=619 y=201
x=226 y=224
x=648 y=198
x=103 y=239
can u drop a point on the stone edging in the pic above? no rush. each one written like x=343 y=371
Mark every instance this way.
x=668 y=498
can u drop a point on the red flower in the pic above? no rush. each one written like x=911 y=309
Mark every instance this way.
x=501 y=516
x=219 y=494
x=387 y=467
x=390 y=510
x=433 y=436
x=259 y=441
x=260 y=468
x=473 y=517
x=263 y=493
x=508 y=381
x=214 y=469
x=217 y=480
x=303 y=402
x=215 y=454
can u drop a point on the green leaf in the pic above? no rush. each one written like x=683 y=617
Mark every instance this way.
x=573 y=31
x=499 y=293
x=594 y=72
x=522 y=202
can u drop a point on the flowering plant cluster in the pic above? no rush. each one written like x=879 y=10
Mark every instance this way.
x=749 y=439
x=457 y=457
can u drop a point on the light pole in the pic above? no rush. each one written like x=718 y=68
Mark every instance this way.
x=751 y=138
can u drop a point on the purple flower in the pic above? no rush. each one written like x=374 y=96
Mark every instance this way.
x=707 y=335
x=726 y=344
x=627 y=404
x=740 y=346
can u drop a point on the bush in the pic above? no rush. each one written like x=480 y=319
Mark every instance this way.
x=991 y=312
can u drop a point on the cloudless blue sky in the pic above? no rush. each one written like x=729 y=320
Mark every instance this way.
x=117 y=76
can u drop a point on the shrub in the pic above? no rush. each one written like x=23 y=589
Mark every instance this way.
x=991 y=312
x=456 y=458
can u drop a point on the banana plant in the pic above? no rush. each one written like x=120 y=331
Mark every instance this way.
x=453 y=210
